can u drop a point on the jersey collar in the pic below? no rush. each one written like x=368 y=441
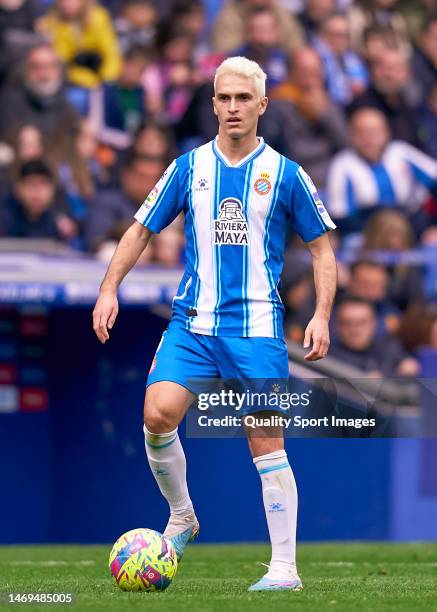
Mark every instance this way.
x=259 y=149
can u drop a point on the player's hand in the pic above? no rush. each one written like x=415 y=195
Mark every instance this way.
x=104 y=314
x=317 y=335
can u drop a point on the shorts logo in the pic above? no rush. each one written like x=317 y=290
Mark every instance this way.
x=262 y=185
x=231 y=226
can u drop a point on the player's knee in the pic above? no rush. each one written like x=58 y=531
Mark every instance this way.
x=156 y=416
x=264 y=446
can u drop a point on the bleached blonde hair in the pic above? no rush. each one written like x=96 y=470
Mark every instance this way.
x=243 y=67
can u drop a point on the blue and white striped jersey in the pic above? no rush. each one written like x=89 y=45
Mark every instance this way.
x=236 y=219
x=403 y=177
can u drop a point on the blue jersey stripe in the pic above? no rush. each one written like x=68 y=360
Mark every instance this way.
x=193 y=232
x=217 y=267
x=276 y=332
x=244 y=290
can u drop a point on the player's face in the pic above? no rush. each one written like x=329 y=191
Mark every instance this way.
x=237 y=105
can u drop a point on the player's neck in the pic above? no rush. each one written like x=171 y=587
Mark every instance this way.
x=236 y=150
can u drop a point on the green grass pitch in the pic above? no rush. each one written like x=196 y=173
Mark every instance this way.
x=339 y=577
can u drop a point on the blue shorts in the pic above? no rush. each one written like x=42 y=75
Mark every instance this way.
x=182 y=356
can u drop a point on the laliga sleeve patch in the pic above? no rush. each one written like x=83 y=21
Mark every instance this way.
x=317 y=201
x=153 y=195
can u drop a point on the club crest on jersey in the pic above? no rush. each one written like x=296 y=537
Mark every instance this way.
x=231 y=226
x=262 y=185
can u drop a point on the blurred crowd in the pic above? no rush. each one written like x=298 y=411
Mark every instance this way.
x=97 y=98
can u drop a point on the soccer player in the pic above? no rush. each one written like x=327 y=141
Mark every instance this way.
x=239 y=196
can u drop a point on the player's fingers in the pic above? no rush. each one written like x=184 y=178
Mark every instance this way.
x=322 y=351
x=100 y=327
x=307 y=338
x=103 y=329
x=315 y=351
x=112 y=318
x=96 y=323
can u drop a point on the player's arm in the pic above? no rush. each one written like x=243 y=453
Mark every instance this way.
x=130 y=247
x=325 y=280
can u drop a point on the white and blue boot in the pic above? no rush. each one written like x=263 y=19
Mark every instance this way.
x=290 y=583
x=181 y=529
x=268 y=584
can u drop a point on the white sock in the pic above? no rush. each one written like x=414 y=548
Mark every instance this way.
x=280 y=504
x=167 y=462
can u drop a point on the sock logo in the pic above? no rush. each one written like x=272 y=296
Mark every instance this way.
x=276 y=507
x=161 y=472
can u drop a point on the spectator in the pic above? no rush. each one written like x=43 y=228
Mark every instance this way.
x=424 y=60
x=355 y=342
x=117 y=109
x=190 y=17
x=368 y=13
x=314 y=14
x=392 y=92
x=263 y=45
x=31 y=211
x=389 y=230
x=414 y=14
x=17 y=19
x=167 y=246
x=38 y=98
x=345 y=73
x=82 y=35
x=29 y=144
x=112 y=210
x=229 y=27
x=169 y=82
x=155 y=142
x=136 y=25
x=369 y=281
x=428 y=123
x=376 y=40
x=376 y=172
x=198 y=124
x=80 y=172
x=297 y=294
x=419 y=328
x=302 y=122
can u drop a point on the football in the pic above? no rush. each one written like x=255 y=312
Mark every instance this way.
x=143 y=560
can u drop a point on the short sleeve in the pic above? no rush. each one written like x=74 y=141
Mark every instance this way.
x=163 y=204
x=309 y=217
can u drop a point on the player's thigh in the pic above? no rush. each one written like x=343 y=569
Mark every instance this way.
x=253 y=358
x=259 y=366
x=181 y=358
x=165 y=405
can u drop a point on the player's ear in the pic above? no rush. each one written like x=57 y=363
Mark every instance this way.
x=213 y=106
x=263 y=105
